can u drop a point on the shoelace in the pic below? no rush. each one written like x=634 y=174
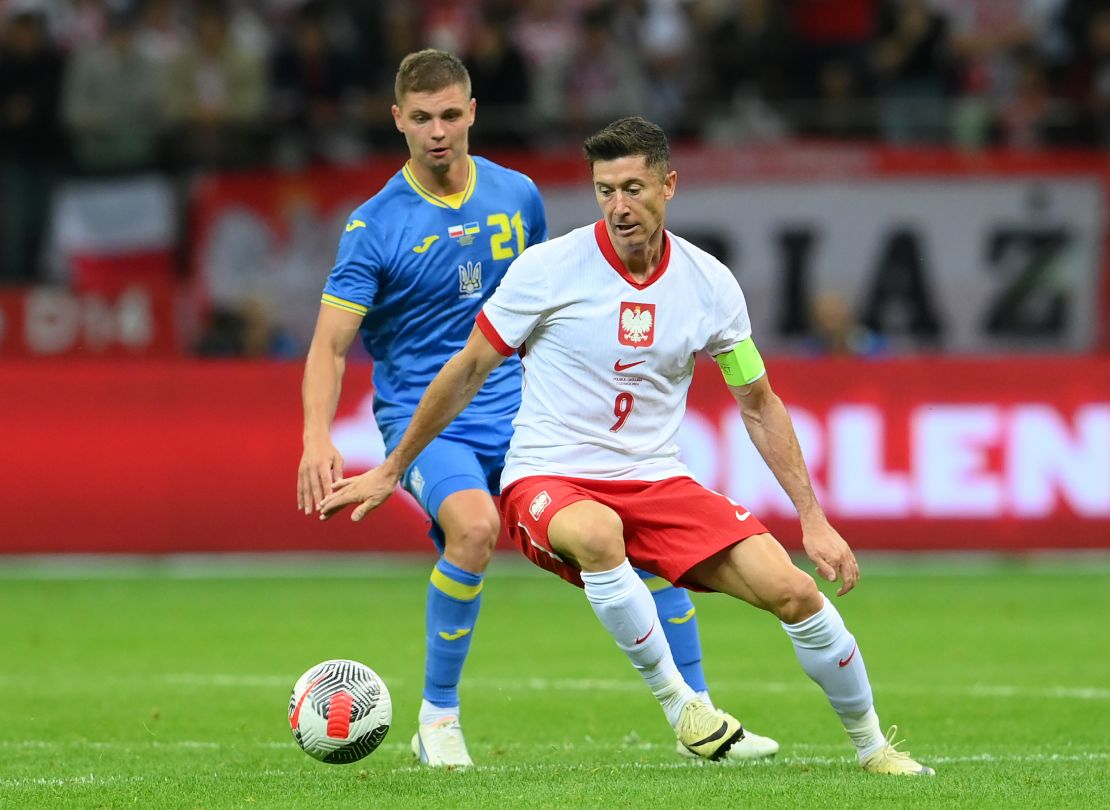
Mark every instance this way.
x=694 y=715
x=892 y=746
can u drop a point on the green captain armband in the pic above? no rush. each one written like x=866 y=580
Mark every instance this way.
x=742 y=365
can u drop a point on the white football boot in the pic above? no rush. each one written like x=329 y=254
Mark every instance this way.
x=707 y=732
x=749 y=748
x=441 y=744
x=888 y=759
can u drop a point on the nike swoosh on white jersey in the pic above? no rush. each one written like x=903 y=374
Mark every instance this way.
x=744 y=516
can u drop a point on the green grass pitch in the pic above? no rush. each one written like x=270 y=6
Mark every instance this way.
x=164 y=685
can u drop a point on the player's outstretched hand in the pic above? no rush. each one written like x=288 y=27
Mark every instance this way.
x=368 y=490
x=320 y=464
x=833 y=557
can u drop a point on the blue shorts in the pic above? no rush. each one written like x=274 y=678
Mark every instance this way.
x=445 y=467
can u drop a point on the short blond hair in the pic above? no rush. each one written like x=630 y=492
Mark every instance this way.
x=429 y=70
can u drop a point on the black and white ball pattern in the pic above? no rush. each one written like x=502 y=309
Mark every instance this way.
x=340 y=711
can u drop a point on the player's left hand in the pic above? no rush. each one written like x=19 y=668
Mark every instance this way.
x=834 y=559
x=368 y=490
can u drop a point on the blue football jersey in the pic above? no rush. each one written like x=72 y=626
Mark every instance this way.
x=418 y=268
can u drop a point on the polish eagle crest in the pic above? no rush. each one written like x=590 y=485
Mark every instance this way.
x=636 y=323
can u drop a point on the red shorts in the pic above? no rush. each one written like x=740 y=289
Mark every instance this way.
x=669 y=526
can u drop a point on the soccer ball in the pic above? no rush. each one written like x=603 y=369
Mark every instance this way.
x=339 y=711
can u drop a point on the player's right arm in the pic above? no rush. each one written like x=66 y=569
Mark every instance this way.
x=321 y=463
x=452 y=390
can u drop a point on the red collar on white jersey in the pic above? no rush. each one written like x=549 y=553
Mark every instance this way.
x=601 y=233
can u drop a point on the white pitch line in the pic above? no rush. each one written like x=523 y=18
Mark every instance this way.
x=168 y=745
x=506 y=565
x=232 y=681
x=58 y=781
x=93 y=780
x=1089 y=756
x=813 y=755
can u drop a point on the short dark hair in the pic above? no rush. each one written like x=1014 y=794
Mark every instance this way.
x=626 y=137
x=429 y=70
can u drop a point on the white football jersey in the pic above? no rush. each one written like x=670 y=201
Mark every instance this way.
x=608 y=361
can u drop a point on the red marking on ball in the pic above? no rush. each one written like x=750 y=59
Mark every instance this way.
x=339 y=716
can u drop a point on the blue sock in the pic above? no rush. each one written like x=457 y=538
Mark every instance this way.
x=680 y=624
x=454 y=597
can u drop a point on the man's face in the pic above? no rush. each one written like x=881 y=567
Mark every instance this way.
x=633 y=199
x=435 y=125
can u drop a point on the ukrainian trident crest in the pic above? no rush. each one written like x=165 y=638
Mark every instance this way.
x=470 y=280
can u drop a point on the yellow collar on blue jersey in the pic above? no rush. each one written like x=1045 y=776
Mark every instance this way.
x=455 y=201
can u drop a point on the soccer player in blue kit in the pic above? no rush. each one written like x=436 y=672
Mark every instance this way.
x=415 y=265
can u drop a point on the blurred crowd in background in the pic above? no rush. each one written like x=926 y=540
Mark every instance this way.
x=119 y=84
x=92 y=88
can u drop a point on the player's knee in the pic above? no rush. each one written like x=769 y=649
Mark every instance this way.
x=797 y=599
x=474 y=539
x=599 y=547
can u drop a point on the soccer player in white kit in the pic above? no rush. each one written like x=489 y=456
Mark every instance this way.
x=608 y=319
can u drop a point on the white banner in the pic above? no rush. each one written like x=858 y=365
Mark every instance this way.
x=963 y=264
x=115 y=216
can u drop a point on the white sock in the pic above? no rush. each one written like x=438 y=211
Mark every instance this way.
x=624 y=605
x=864 y=731
x=704 y=698
x=430 y=713
x=829 y=655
